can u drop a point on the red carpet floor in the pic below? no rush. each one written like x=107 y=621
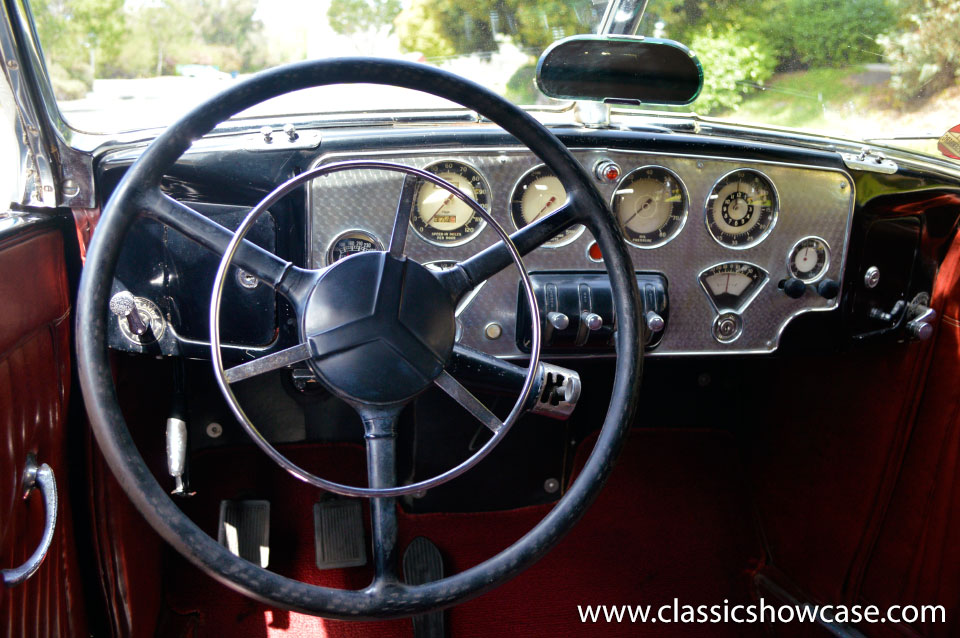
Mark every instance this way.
x=674 y=521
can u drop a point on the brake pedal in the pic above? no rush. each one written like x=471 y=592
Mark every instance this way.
x=340 y=538
x=422 y=563
x=245 y=530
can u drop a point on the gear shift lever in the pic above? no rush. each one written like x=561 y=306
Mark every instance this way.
x=124 y=306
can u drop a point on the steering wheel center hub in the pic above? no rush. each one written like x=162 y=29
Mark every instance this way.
x=381 y=327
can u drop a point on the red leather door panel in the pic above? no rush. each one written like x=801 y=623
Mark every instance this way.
x=34 y=388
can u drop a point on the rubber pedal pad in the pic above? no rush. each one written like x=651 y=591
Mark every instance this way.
x=423 y=563
x=341 y=540
x=245 y=530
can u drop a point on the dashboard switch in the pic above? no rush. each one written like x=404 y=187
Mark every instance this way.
x=794 y=288
x=592 y=321
x=655 y=322
x=558 y=320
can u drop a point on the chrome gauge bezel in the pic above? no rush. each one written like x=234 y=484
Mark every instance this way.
x=485 y=205
x=708 y=209
x=826 y=262
x=578 y=228
x=683 y=219
x=328 y=254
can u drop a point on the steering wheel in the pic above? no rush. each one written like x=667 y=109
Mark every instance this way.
x=348 y=344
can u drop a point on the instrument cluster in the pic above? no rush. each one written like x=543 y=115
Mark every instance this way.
x=743 y=246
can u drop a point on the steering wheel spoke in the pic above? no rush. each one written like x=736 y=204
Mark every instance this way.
x=380 y=434
x=268 y=363
x=287 y=279
x=401 y=221
x=469 y=273
x=469 y=402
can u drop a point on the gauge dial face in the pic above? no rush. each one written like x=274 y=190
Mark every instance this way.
x=536 y=195
x=351 y=243
x=441 y=217
x=650 y=205
x=733 y=285
x=742 y=209
x=808 y=259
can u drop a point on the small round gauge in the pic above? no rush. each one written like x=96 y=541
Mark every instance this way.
x=441 y=217
x=742 y=209
x=350 y=243
x=536 y=195
x=651 y=206
x=808 y=259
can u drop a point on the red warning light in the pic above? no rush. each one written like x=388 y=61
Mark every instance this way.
x=593 y=252
x=612 y=173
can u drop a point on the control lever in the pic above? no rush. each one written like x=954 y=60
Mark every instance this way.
x=920 y=321
x=558 y=320
x=124 y=306
x=177 y=437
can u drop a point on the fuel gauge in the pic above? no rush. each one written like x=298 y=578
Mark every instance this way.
x=351 y=243
x=733 y=285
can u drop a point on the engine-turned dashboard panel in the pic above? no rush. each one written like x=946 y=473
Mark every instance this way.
x=743 y=247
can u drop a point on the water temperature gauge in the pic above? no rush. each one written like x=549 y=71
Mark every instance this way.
x=808 y=259
x=351 y=243
x=733 y=285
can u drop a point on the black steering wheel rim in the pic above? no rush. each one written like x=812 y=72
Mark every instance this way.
x=393 y=599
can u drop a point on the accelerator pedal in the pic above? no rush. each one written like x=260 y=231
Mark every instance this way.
x=340 y=537
x=422 y=563
x=245 y=530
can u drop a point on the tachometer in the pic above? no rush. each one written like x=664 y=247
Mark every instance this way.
x=733 y=285
x=650 y=205
x=536 y=195
x=742 y=209
x=441 y=217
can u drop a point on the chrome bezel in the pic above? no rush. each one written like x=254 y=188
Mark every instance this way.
x=513 y=191
x=483 y=222
x=826 y=262
x=683 y=220
x=707 y=209
x=738 y=318
x=328 y=254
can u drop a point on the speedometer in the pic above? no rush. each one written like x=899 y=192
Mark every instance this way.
x=441 y=217
x=742 y=209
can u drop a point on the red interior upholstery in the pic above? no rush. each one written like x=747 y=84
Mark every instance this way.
x=673 y=521
x=34 y=388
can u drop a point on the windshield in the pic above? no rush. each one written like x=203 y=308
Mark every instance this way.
x=861 y=69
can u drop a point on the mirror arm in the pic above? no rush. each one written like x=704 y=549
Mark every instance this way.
x=622 y=17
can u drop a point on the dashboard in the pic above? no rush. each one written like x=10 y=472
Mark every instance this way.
x=735 y=248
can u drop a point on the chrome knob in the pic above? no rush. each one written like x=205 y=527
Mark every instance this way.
x=291 y=132
x=124 y=306
x=592 y=320
x=558 y=320
x=655 y=322
x=920 y=330
x=267 y=134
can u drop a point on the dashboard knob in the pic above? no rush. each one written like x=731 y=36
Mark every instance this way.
x=655 y=322
x=794 y=288
x=592 y=320
x=920 y=330
x=558 y=320
x=828 y=288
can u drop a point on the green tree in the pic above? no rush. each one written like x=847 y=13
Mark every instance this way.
x=357 y=16
x=924 y=50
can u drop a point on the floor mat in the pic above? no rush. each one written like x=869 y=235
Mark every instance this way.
x=673 y=522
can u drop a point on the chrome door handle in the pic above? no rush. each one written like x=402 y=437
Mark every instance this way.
x=33 y=477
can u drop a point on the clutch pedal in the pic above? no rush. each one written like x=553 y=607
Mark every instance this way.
x=245 y=530
x=340 y=538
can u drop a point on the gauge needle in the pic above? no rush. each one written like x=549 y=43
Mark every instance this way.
x=640 y=209
x=545 y=207
x=727 y=288
x=445 y=202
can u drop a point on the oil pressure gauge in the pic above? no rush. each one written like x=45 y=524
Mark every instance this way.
x=808 y=259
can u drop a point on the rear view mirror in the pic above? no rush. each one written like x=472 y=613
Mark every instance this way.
x=620 y=69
